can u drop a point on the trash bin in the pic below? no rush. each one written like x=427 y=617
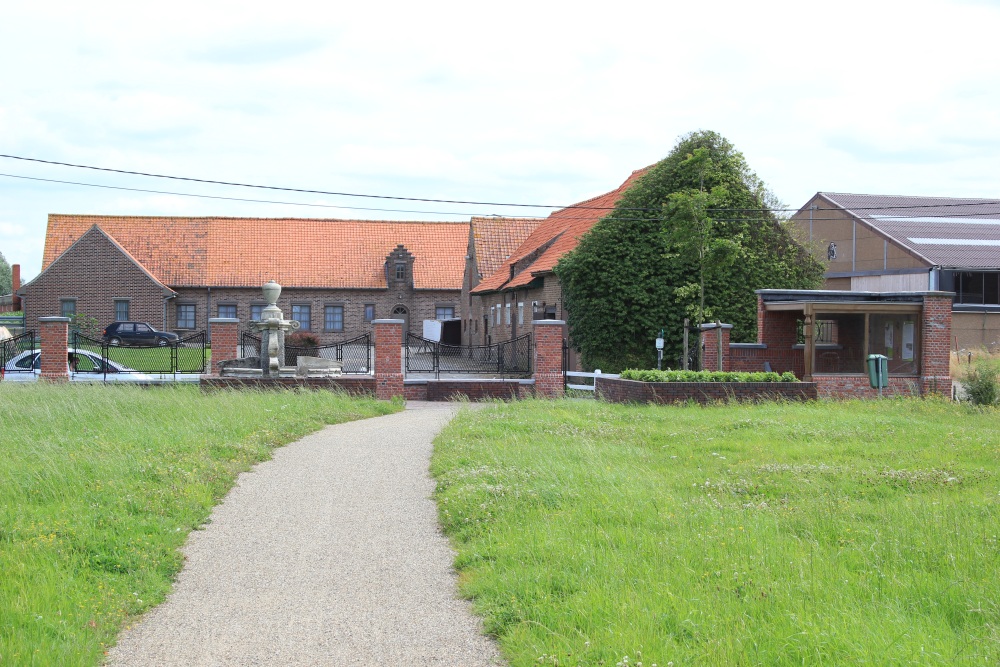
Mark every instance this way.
x=878 y=371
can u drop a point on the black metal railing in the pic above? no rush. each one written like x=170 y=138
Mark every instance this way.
x=510 y=358
x=17 y=354
x=95 y=356
x=356 y=354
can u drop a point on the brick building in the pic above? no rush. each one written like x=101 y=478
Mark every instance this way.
x=176 y=272
x=523 y=286
x=885 y=243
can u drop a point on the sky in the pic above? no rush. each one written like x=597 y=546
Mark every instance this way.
x=531 y=103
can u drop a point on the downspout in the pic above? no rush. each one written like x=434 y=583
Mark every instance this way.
x=165 y=299
x=208 y=311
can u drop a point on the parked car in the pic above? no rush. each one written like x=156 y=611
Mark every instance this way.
x=83 y=366
x=137 y=333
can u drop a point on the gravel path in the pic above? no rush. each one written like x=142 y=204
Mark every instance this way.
x=329 y=554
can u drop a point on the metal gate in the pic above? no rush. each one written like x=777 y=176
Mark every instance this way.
x=510 y=358
x=91 y=356
x=355 y=354
x=18 y=354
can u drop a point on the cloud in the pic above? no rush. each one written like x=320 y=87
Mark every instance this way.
x=257 y=52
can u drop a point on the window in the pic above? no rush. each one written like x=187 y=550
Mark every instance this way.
x=256 y=311
x=333 y=318
x=520 y=313
x=302 y=313
x=400 y=271
x=227 y=310
x=185 y=316
x=121 y=310
x=498 y=310
x=67 y=308
x=975 y=287
x=444 y=312
x=369 y=312
x=507 y=316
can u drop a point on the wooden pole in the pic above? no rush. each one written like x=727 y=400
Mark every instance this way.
x=687 y=323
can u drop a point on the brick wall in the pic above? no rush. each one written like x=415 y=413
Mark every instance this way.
x=857 y=386
x=356 y=385
x=95 y=272
x=473 y=390
x=631 y=391
x=421 y=305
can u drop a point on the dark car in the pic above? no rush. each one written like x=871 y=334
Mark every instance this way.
x=137 y=333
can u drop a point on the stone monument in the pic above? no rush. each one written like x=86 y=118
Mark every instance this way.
x=272 y=327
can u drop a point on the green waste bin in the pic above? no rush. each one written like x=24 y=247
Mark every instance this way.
x=878 y=371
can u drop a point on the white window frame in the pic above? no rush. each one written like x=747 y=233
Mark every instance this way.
x=507 y=316
x=520 y=313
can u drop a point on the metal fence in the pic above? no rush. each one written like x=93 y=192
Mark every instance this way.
x=15 y=324
x=511 y=358
x=356 y=354
x=92 y=356
x=17 y=354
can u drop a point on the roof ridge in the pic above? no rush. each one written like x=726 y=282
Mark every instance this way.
x=858 y=194
x=86 y=216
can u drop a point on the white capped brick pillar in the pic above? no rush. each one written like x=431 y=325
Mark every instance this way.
x=54 y=332
x=549 y=379
x=388 y=358
x=225 y=340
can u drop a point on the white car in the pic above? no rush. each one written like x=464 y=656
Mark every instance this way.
x=90 y=367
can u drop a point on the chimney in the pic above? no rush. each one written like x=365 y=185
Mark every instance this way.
x=15 y=285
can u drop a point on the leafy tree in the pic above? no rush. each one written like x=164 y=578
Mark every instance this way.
x=5 y=276
x=694 y=237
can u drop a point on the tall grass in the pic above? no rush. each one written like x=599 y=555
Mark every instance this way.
x=775 y=534
x=99 y=486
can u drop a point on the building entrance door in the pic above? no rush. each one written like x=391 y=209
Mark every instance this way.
x=402 y=313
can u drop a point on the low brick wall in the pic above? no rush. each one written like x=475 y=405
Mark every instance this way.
x=633 y=391
x=858 y=386
x=356 y=385
x=473 y=390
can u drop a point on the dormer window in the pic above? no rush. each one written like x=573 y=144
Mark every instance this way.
x=400 y=271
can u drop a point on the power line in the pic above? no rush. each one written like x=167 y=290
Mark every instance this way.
x=257 y=201
x=302 y=190
x=424 y=199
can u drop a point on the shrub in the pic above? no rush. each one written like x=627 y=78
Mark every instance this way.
x=302 y=339
x=705 y=376
x=980 y=384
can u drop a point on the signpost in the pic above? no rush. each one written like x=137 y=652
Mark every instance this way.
x=659 y=352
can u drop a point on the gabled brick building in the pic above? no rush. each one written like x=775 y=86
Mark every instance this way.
x=524 y=287
x=177 y=272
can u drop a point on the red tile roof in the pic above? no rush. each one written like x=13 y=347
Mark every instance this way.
x=247 y=252
x=554 y=237
x=496 y=239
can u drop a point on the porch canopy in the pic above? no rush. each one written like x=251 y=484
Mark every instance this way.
x=837 y=330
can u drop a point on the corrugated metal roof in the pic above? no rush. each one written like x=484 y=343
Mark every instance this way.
x=947 y=232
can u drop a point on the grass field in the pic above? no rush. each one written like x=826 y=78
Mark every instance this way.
x=99 y=486
x=775 y=534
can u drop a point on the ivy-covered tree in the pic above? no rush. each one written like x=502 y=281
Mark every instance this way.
x=5 y=276
x=699 y=222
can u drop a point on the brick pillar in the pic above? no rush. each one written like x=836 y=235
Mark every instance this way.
x=225 y=340
x=55 y=341
x=549 y=379
x=388 y=358
x=935 y=344
x=710 y=339
x=15 y=283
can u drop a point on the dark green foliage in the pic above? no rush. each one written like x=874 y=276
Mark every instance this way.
x=706 y=376
x=5 y=276
x=621 y=282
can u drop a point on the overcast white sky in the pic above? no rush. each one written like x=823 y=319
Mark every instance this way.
x=507 y=102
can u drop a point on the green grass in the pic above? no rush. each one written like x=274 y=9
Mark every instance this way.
x=155 y=359
x=774 y=534
x=99 y=486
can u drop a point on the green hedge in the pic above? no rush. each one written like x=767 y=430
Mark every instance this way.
x=705 y=376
